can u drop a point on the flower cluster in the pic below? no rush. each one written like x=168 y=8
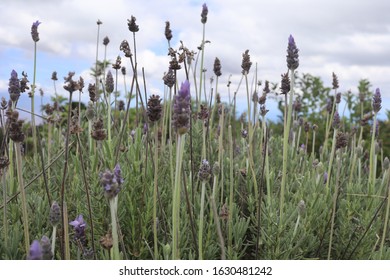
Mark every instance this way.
x=154 y=108
x=376 y=101
x=182 y=109
x=112 y=182
x=34 y=31
x=292 y=54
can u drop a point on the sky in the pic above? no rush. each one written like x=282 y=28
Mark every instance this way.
x=349 y=38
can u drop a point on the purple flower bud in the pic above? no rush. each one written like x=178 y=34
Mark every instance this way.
x=376 y=101
x=109 y=82
x=34 y=31
x=325 y=177
x=336 y=120
x=292 y=54
x=182 y=108
x=111 y=182
x=79 y=226
x=204 y=13
x=35 y=251
x=14 y=86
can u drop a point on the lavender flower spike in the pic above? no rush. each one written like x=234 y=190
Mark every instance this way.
x=14 y=86
x=292 y=54
x=204 y=13
x=376 y=101
x=35 y=251
x=111 y=182
x=34 y=31
x=182 y=109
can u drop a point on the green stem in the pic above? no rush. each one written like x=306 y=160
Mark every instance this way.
x=155 y=190
x=201 y=66
x=384 y=233
x=5 y=220
x=285 y=151
x=23 y=195
x=114 y=228
x=230 y=217
x=176 y=198
x=372 y=175
x=53 y=241
x=331 y=159
x=32 y=102
x=201 y=219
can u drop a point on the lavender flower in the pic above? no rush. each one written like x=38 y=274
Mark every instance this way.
x=106 y=41
x=34 y=31
x=182 y=109
x=125 y=47
x=217 y=67
x=246 y=62
x=154 y=109
x=204 y=13
x=14 y=86
x=133 y=27
x=325 y=177
x=46 y=248
x=79 y=226
x=168 y=31
x=335 y=81
x=35 y=251
x=336 y=120
x=54 y=214
x=376 y=101
x=285 y=84
x=112 y=182
x=204 y=171
x=292 y=54
x=109 y=82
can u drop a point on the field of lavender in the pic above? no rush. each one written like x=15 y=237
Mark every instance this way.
x=181 y=176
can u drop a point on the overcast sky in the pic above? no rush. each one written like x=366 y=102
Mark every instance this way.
x=350 y=38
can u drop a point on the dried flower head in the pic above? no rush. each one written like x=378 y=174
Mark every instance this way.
x=182 y=108
x=112 y=182
x=246 y=62
x=285 y=84
x=98 y=132
x=106 y=41
x=123 y=70
x=217 y=67
x=263 y=110
x=23 y=82
x=341 y=140
x=3 y=104
x=34 y=31
x=154 y=108
x=169 y=78
x=121 y=105
x=71 y=85
x=54 y=76
x=336 y=120
x=133 y=27
x=335 y=81
x=14 y=87
x=204 y=13
x=292 y=54
x=109 y=82
x=204 y=171
x=338 y=98
x=376 y=101
x=15 y=126
x=54 y=214
x=117 y=64
x=168 y=31
x=125 y=47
